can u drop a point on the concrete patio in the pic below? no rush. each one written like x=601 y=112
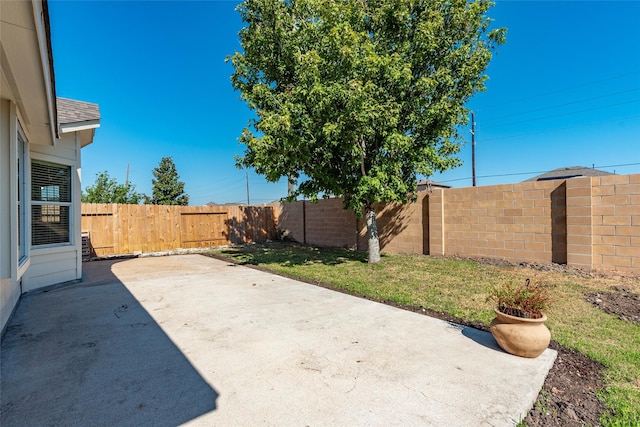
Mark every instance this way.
x=193 y=340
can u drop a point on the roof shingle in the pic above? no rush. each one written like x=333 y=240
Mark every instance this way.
x=72 y=111
x=570 y=172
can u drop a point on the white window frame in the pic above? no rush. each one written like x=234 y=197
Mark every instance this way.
x=22 y=197
x=71 y=230
x=20 y=259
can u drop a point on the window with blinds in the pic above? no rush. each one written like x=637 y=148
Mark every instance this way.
x=50 y=203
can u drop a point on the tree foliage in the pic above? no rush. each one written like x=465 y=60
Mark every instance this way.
x=167 y=188
x=355 y=98
x=107 y=190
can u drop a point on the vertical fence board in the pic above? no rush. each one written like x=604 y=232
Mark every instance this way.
x=115 y=229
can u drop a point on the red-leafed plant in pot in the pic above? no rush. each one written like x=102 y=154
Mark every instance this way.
x=519 y=324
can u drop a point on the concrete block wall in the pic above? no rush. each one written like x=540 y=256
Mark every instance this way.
x=325 y=223
x=615 y=222
x=511 y=221
x=589 y=222
x=400 y=226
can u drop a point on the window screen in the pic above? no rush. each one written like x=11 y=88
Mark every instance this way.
x=50 y=203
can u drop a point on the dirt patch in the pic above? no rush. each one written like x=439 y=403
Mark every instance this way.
x=568 y=396
x=619 y=302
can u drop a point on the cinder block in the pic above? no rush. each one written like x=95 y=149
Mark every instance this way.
x=486 y=236
x=504 y=220
x=577 y=249
x=616 y=240
x=627 y=210
x=504 y=253
x=584 y=239
x=534 y=246
x=579 y=192
x=535 y=194
x=577 y=230
x=486 y=219
x=616 y=261
x=514 y=228
x=634 y=179
x=579 y=200
x=604 y=210
x=514 y=244
x=630 y=251
x=504 y=203
x=534 y=228
x=542 y=220
x=580 y=182
x=603 y=190
x=496 y=244
x=513 y=212
x=627 y=189
x=505 y=236
x=514 y=195
x=522 y=254
x=616 y=220
x=630 y=230
x=604 y=230
x=622 y=199
x=534 y=212
x=524 y=203
x=525 y=220
x=613 y=179
x=579 y=260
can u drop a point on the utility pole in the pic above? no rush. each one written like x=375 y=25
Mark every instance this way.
x=246 y=174
x=473 y=147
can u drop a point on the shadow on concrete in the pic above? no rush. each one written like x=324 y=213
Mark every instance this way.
x=483 y=338
x=90 y=354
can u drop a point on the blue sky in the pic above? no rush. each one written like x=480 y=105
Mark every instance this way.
x=563 y=91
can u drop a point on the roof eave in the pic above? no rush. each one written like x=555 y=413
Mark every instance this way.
x=43 y=30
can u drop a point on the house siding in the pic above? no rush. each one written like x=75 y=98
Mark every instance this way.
x=9 y=285
x=60 y=263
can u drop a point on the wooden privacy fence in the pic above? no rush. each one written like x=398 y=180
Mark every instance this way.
x=114 y=229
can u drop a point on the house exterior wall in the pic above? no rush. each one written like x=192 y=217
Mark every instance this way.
x=59 y=263
x=9 y=282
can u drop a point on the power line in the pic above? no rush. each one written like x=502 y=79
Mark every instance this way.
x=537 y=172
x=559 y=128
x=565 y=114
x=560 y=105
x=565 y=89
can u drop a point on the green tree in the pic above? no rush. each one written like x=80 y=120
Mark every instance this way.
x=355 y=98
x=107 y=190
x=167 y=188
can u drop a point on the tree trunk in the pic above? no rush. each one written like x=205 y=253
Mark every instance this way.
x=372 y=232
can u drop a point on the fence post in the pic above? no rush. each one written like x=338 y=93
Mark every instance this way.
x=436 y=222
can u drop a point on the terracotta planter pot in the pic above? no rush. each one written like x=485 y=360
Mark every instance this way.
x=519 y=336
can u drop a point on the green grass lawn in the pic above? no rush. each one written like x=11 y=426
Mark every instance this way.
x=460 y=288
